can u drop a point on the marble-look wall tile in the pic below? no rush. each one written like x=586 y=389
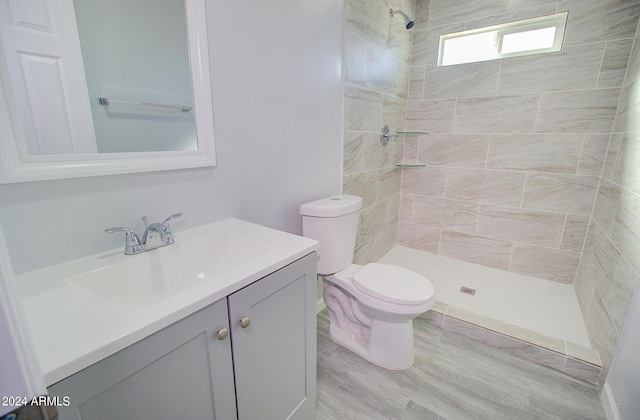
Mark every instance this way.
x=363 y=184
x=420 y=237
x=394 y=111
x=627 y=117
x=476 y=249
x=590 y=111
x=535 y=152
x=384 y=241
x=364 y=252
x=604 y=209
x=457 y=150
x=574 y=68
x=448 y=11
x=515 y=224
x=376 y=155
x=502 y=114
x=602 y=331
x=614 y=63
x=410 y=150
x=425 y=44
x=486 y=186
x=463 y=81
x=427 y=181
x=394 y=212
x=560 y=192
x=589 y=242
x=626 y=171
x=377 y=78
x=406 y=207
x=551 y=264
x=355 y=59
x=514 y=14
x=603 y=263
x=433 y=116
x=416 y=83
x=584 y=24
x=362 y=109
x=389 y=182
x=423 y=8
x=585 y=288
x=373 y=221
x=594 y=151
x=452 y=215
x=633 y=68
x=353 y=152
x=621 y=293
x=612 y=155
x=524 y=4
x=377 y=57
x=369 y=23
x=625 y=231
x=574 y=232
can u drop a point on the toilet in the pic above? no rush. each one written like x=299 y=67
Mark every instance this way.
x=371 y=307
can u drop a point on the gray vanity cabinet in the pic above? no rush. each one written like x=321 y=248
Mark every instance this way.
x=275 y=355
x=264 y=369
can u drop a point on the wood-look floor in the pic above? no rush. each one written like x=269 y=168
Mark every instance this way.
x=453 y=378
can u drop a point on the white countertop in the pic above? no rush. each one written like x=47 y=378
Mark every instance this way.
x=74 y=328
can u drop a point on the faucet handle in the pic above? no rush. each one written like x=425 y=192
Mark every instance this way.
x=132 y=244
x=173 y=216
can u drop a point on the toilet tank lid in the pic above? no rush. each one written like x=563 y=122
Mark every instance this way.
x=337 y=205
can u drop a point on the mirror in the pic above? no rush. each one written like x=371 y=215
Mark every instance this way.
x=81 y=95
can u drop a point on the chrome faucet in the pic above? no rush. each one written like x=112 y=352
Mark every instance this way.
x=134 y=245
x=163 y=229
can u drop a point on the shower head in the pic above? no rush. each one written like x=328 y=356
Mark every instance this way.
x=408 y=22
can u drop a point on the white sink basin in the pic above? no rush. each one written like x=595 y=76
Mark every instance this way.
x=169 y=269
x=82 y=311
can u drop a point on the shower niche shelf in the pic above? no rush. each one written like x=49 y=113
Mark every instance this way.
x=410 y=165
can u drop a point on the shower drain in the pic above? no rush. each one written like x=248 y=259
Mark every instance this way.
x=467 y=290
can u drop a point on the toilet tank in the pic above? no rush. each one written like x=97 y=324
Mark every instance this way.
x=332 y=221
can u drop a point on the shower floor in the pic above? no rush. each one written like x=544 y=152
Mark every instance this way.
x=547 y=307
x=534 y=319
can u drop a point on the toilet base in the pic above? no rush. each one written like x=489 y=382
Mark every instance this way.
x=390 y=345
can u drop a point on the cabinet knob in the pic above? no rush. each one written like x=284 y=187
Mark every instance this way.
x=223 y=334
x=244 y=323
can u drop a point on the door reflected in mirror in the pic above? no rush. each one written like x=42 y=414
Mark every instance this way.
x=101 y=88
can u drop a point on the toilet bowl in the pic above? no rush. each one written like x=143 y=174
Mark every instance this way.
x=371 y=311
x=371 y=307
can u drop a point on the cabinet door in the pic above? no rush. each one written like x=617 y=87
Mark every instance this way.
x=275 y=355
x=181 y=372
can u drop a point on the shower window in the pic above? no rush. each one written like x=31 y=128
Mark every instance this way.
x=524 y=37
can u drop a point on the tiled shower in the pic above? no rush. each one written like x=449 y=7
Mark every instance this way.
x=531 y=161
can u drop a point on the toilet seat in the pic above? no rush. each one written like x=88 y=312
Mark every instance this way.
x=393 y=284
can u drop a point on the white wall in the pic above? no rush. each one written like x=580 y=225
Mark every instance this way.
x=277 y=89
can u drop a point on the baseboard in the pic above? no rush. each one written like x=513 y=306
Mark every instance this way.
x=609 y=403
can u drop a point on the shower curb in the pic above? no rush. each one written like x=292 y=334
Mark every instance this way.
x=578 y=362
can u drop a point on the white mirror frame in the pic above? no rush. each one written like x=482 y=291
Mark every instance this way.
x=16 y=165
